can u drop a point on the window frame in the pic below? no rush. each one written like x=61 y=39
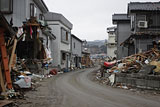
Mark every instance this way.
x=10 y=11
x=31 y=9
x=66 y=41
x=41 y=17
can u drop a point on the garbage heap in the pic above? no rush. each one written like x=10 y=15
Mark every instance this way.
x=138 y=70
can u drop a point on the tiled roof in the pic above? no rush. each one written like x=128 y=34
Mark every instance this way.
x=147 y=6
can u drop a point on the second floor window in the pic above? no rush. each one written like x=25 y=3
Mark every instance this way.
x=33 y=10
x=65 y=35
x=6 y=6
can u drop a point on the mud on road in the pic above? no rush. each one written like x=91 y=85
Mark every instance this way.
x=76 y=89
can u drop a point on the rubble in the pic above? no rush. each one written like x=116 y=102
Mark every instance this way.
x=134 y=71
x=21 y=69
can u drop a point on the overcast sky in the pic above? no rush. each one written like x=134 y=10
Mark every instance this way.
x=90 y=18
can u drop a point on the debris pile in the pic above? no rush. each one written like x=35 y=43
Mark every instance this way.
x=143 y=65
x=24 y=58
x=134 y=63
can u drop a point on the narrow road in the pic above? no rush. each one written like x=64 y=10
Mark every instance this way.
x=75 y=89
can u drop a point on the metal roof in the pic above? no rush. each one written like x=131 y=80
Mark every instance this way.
x=144 y=6
x=51 y=16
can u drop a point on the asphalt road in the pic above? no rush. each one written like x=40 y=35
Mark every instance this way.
x=75 y=89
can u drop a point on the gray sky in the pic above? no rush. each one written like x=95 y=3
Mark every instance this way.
x=90 y=18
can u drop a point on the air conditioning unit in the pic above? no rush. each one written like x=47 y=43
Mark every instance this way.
x=142 y=24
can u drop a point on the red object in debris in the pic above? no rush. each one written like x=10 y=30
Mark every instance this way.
x=53 y=72
x=108 y=64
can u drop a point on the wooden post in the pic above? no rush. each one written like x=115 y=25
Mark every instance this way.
x=2 y=80
x=12 y=54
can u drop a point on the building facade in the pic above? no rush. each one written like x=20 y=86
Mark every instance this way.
x=61 y=28
x=76 y=50
x=122 y=33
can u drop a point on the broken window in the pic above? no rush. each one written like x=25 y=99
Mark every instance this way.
x=6 y=6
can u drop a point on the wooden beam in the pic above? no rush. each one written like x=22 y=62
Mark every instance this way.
x=12 y=54
x=5 y=59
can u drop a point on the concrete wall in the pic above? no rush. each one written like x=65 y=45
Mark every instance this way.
x=139 y=80
x=21 y=12
x=111 y=38
x=56 y=55
x=111 y=48
x=123 y=32
x=111 y=51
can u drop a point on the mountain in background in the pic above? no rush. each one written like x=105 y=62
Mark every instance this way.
x=96 y=42
x=97 y=46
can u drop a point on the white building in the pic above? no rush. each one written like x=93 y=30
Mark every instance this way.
x=111 y=43
x=61 y=28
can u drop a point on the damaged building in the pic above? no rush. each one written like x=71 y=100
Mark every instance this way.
x=35 y=36
x=145 y=26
